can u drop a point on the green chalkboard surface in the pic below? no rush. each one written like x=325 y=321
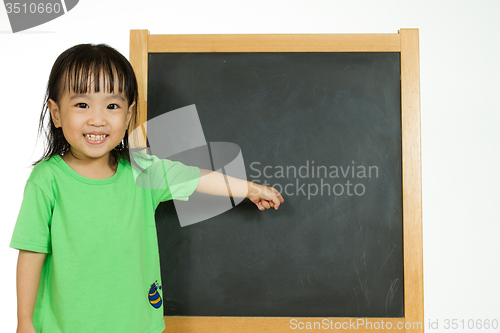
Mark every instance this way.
x=325 y=130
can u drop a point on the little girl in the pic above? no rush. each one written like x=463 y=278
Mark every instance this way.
x=86 y=232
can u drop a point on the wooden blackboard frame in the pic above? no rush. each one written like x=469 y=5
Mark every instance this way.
x=406 y=42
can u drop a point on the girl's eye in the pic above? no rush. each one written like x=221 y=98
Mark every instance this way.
x=113 y=106
x=82 y=105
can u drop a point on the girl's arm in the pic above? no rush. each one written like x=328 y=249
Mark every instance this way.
x=29 y=267
x=264 y=197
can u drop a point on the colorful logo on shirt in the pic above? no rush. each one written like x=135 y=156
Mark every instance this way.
x=154 y=295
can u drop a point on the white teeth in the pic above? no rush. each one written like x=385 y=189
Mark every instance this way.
x=95 y=137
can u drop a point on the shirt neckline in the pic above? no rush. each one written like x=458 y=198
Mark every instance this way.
x=87 y=180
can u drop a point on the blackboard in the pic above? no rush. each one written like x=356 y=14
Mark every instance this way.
x=244 y=261
x=328 y=125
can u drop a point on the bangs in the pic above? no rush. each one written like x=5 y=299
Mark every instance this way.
x=80 y=78
x=99 y=69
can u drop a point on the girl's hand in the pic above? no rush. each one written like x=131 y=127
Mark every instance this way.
x=264 y=197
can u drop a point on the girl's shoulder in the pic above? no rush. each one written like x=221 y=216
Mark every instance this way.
x=46 y=170
x=140 y=162
x=142 y=159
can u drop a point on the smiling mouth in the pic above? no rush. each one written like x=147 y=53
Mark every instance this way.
x=93 y=137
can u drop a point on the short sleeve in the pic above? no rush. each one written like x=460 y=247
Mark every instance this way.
x=181 y=180
x=166 y=179
x=32 y=230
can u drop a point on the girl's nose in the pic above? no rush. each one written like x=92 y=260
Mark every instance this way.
x=97 y=118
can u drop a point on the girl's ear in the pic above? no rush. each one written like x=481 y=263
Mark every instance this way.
x=54 y=112
x=129 y=112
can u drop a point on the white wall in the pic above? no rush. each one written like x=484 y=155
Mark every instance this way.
x=459 y=66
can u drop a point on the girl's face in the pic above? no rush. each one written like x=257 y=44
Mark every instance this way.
x=92 y=123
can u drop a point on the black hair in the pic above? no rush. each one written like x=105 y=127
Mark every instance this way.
x=75 y=70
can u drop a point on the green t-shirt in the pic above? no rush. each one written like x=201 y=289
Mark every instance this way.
x=100 y=238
